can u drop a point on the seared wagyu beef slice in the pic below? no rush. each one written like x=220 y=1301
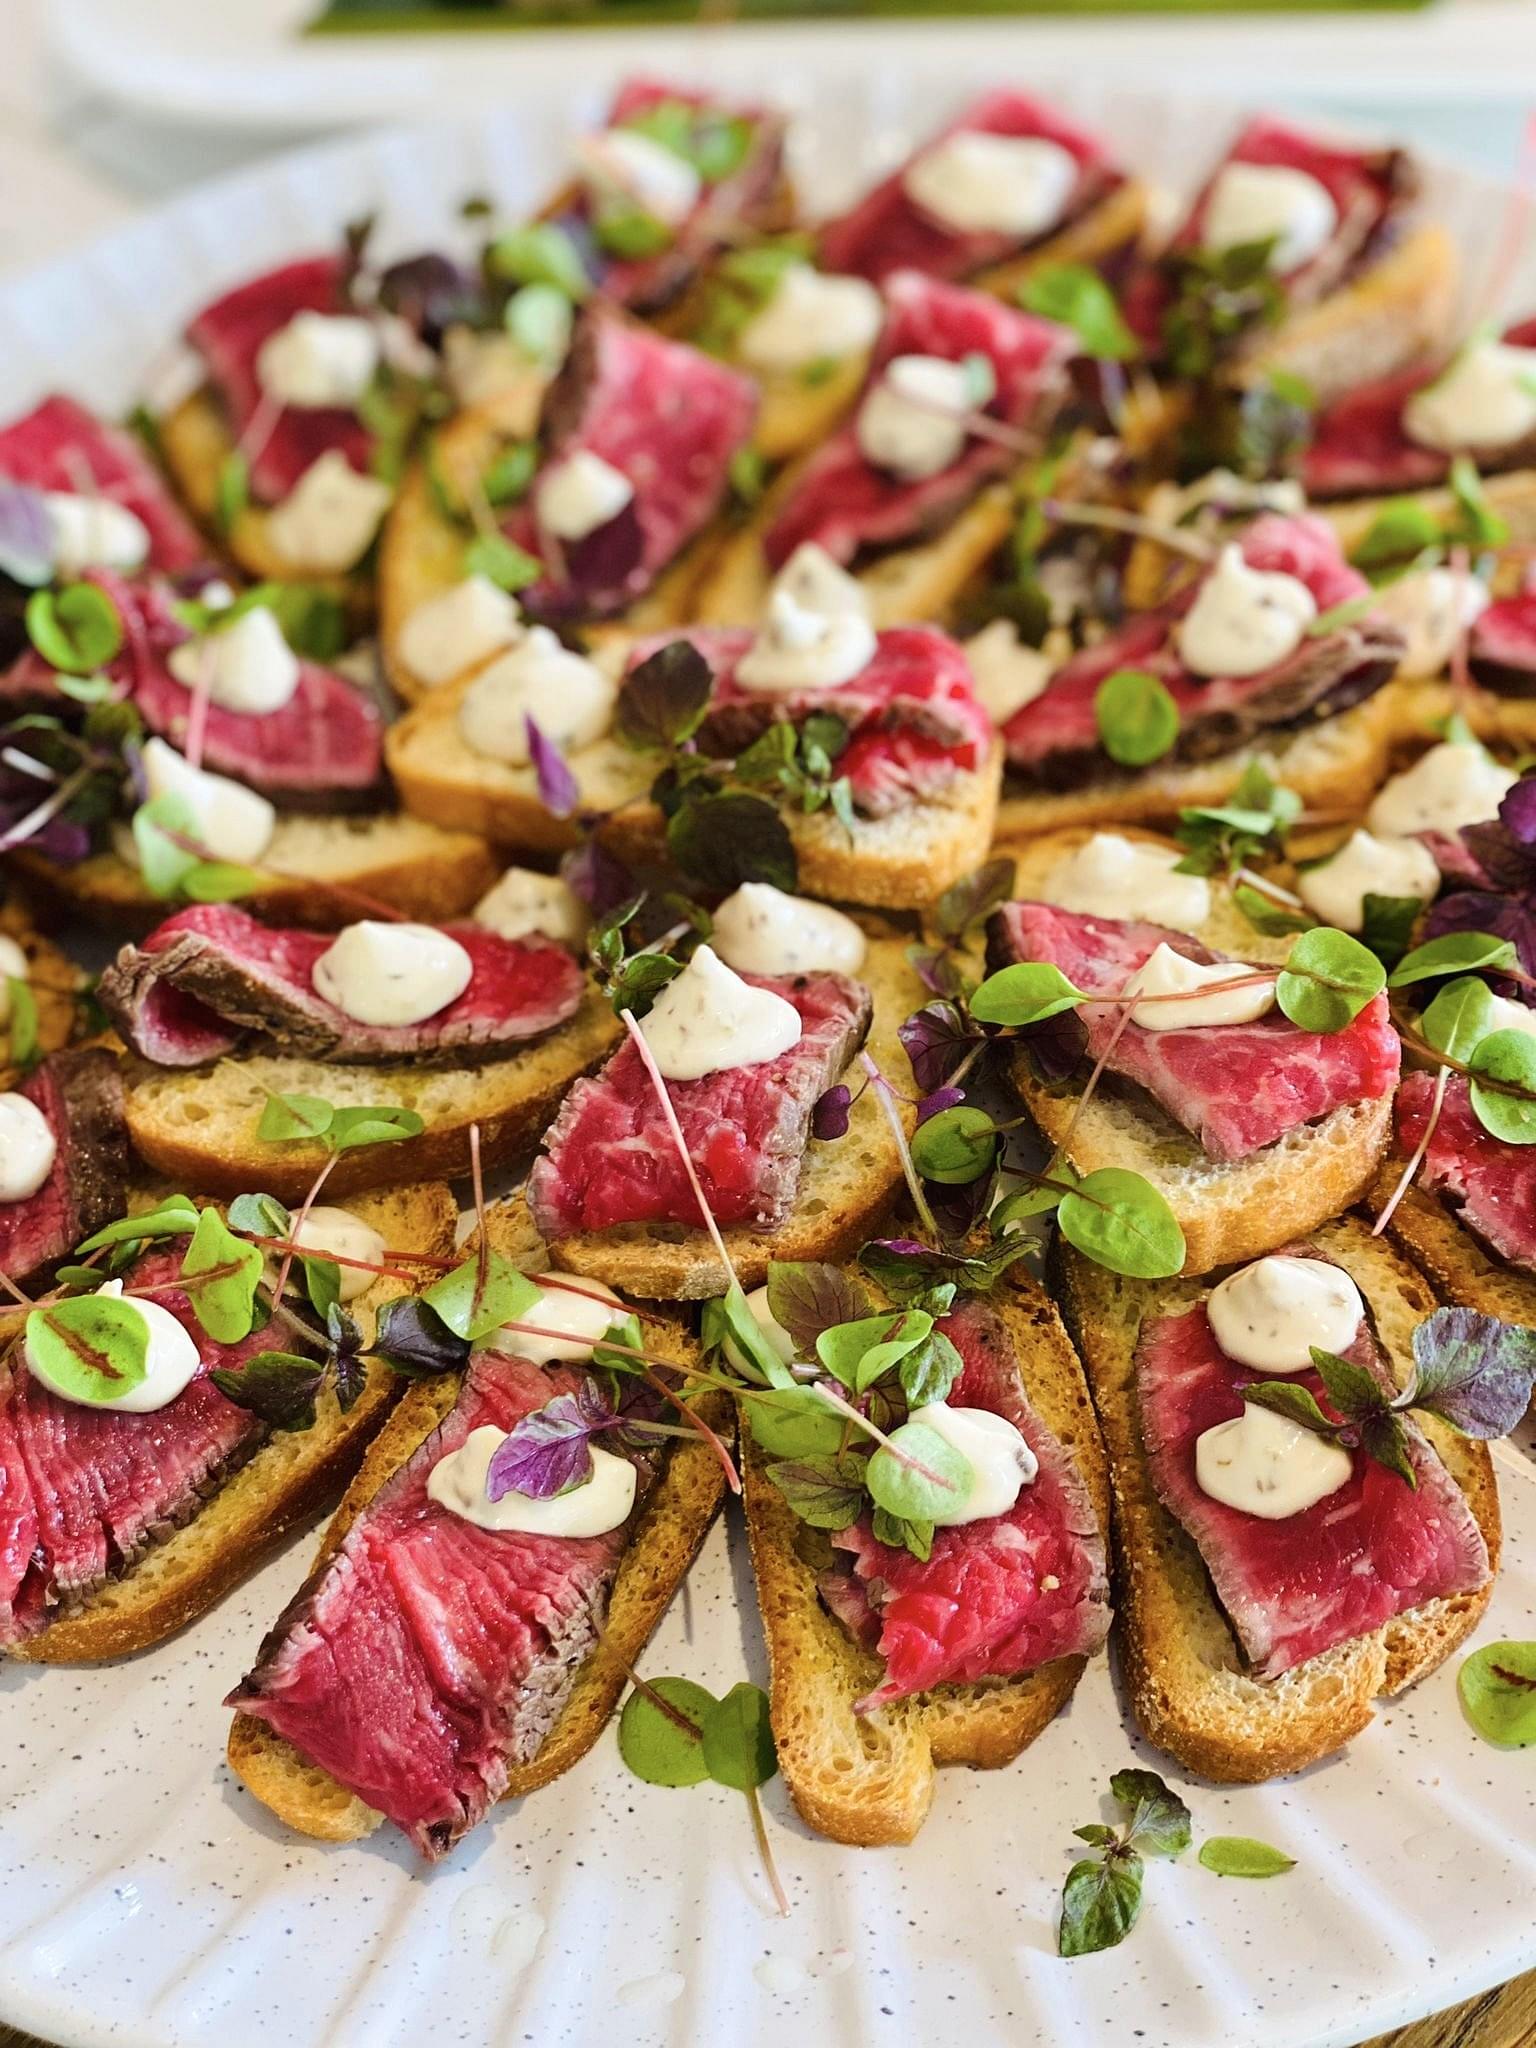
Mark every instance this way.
x=995 y=1598
x=323 y=749
x=81 y=1095
x=1236 y=1087
x=212 y=979
x=846 y=505
x=228 y=336
x=913 y=720
x=1054 y=741
x=1297 y=1587
x=888 y=230
x=1369 y=188
x=59 y=446
x=1489 y=1185
x=85 y=1491
x=428 y=1655
x=668 y=419
x=744 y=197
x=610 y=1158
x=1359 y=446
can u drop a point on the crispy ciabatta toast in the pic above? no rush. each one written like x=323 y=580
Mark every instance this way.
x=321 y=867
x=198 y=1125
x=846 y=1184
x=1181 y=1660
x=673 y=1522
x=870 y=1780
x=293 y=1477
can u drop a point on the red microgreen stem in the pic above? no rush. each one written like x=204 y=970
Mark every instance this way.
x=298 y=1224
x=907 y=1463
x=1389 y=1209
x=885 y=1096
x=34 y=820
x=1177 y=539
x=770 y=1868
x=648 y=1060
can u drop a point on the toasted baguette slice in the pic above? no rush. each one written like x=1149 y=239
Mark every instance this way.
x=1226 y=930
x=1392 y=314
x=295 y=1474
x=441 y=777
x=1183 y=1667
x=320 y=868
x=1228 y=1213
x=1334 y=764
x=898 y=862
x=1461 y=1269
x=421 y=553
x=53 y=979
x=672 y=1525
x=846 y=1184
x=198 y=1125
x=1506 y=724
x=195 y=445
x=1113 y=227
x=870 y=1781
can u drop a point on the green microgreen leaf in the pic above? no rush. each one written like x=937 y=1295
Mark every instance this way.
x=294 y=1119
x=1027 y=993
x=1327 y=980
x=1078 y=297
x=654 y=1745
x=738 y=1739
x=1099 y=1904
x=1136 y=716
x=536 y=253
x=501 y=561
x=472 y=1310
x=93 y=1348
x=224 y=1302
x=176 y=1216
x=1497 y=1685
x=1120 y=1221
x=1502 y=1086
x=76 y=628
x=1454 y=953
x=859 y=1353
x=955 y=1147
x=901 y=1490
x=825 y=1490
x=1241 y=1856
x=1459 y=1018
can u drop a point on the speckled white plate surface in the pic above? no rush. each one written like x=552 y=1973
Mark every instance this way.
x=147 y=1902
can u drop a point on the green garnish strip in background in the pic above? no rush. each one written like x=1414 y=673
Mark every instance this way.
x=354 y=17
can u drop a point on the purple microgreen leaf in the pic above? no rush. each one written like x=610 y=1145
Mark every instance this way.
x=601 y=881
x=1471 y=1370
x=558 y=792
x=414 y=1340
x=607 y=557
x=1506 y=917
x=806 y=1297
x=829 y=1113
x=1353 y=1391
x=1383 y=1437
x=936 y=1039
x=279 y=1386
x=974 y=897
x=26 y=535
x=940 y=1099
x=665 y=697
x=549 y=1451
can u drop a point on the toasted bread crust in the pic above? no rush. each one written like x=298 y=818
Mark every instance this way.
x=846 y=1185
x=673 y=1523
x=199 y=1126
x=1228 y=1213
x=1183 y=1667
x=53 y=979
x=871 y=1781
x=420 y=869
x=294 y=1475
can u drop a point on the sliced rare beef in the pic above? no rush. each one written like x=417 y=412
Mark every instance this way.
x=609 y=1156
x=1370 y=190
x=913 y=720
x=324 y=749
x=1489 y=1186
x=1054 y=741
x=428 y=1655
x=846 y=505
x=995 y=1598
x=667 y=418
x=1235 y=1087
x=1501 y=650
x=1359 y=446
x=887 y=230
x=228 y=336
x=59 y=446
x=1298 y=1587
x=211 y=979
x=85 y=1491
x=746 y=198
x=81 y=1095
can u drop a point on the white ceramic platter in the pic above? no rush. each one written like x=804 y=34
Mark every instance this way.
x=147 y=1902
